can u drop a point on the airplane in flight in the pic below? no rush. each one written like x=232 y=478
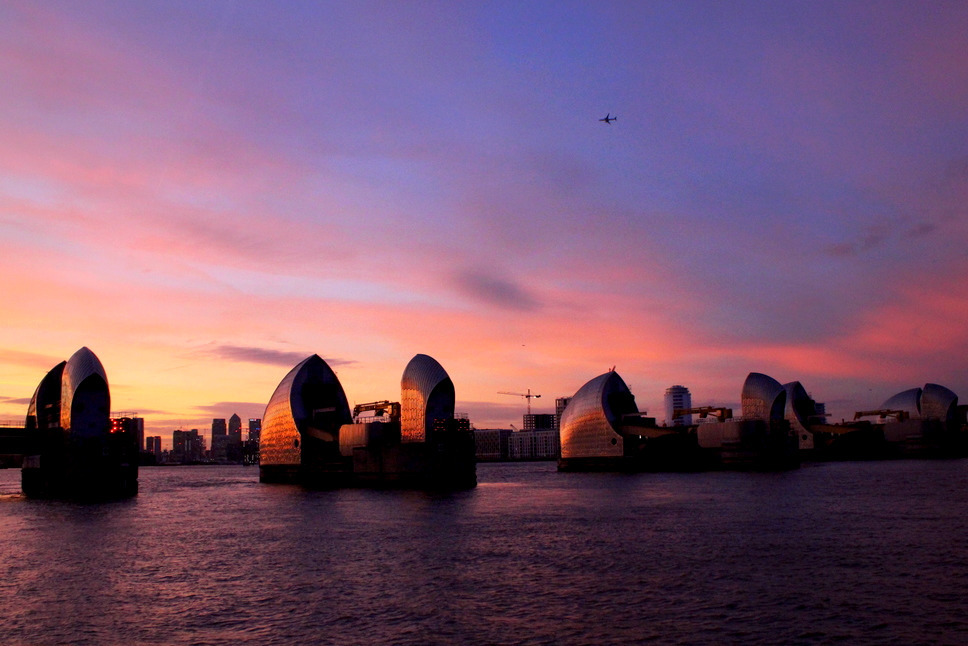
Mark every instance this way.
x=609 y=118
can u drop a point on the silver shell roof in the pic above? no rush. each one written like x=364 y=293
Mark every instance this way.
x=426 y=394
x=290 y=410
x=798 y=410
x=763 y=397
x=82 y=365
x=46 y=398
x=934 y=402
x=589 y=424
x=908 y=401
x=799 y=407
x=938 y=402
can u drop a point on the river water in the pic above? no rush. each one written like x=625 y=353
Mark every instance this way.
x=866 y=552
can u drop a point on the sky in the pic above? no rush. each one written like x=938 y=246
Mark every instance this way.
x=204 y=194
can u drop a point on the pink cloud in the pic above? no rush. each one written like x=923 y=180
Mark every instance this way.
x=29 y=359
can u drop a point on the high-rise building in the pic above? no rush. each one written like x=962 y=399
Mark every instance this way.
x=820 y=410
x=153 y=445
x=534 y=445
x=542 y=422
x=491 y=443
x=187 y=446
x=218 y=427
x=255 y=429
x=129 y=423
x=250 y=448
x=139 y=425
x=219 y=450
x=235 y=428
x=677 y=397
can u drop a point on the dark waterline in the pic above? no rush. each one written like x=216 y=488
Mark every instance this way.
x=848 y=552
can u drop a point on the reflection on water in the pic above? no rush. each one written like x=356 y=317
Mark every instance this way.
x=856 y=552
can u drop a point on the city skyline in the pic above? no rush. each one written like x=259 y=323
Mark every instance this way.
x=205 y=195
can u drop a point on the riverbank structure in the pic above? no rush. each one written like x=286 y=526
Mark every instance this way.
x=74 y=450
x=310 y=437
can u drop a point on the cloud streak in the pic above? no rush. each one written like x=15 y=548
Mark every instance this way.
x=20 y=401
x=28 y=359
x=227 y=409
x=384 y=185
x=490 y=289
x=267 y=356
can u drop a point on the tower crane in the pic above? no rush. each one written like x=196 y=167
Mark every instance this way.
x=526 y=395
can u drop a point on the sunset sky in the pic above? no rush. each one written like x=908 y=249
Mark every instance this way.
x=205 y=193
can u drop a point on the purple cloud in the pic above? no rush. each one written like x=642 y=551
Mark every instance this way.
x=491 y=289
x=872 y=238
x=25 y=401
x=29 y=359
x=226 y=409
x=267 y=356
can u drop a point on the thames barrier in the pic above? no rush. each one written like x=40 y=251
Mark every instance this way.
x=70 y=447
x=602 y=430
x=309 y=436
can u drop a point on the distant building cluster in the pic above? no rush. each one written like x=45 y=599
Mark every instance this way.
x=229 y=445
x=538 y=438
x=153 y=448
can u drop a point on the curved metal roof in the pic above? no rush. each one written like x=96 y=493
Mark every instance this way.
x=427 y=394
x=84 y=371
x=590 y=423
x=311 y=386
x=931 y=402
x=46 y=399
x=938 y=402
x=798 y=409
x=908 y=401
x=763 y=397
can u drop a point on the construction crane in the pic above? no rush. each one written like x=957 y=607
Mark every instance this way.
x=720 y=413
x=526 y=395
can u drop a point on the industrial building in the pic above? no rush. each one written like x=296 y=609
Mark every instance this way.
x=491 y=444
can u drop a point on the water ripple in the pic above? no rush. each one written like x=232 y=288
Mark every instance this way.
x=854 y=552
